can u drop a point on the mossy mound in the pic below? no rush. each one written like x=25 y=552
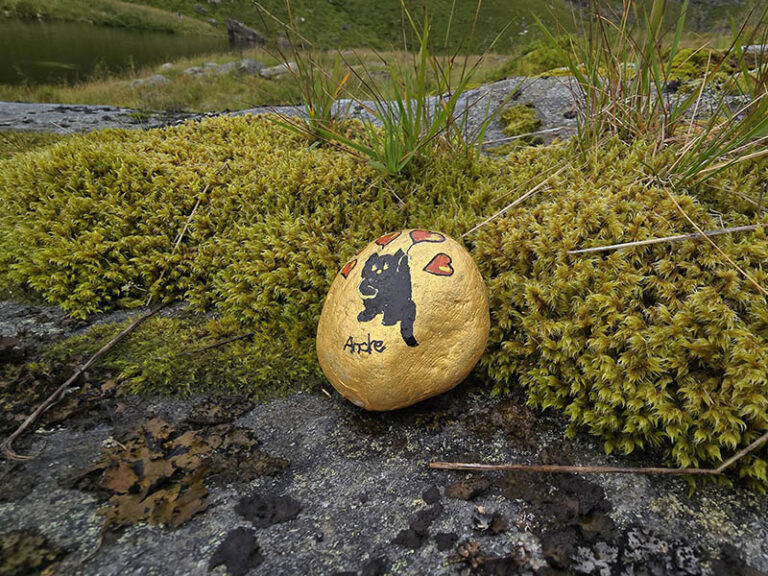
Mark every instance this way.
x=12 y=143
x=234 y=215
x=658 y=346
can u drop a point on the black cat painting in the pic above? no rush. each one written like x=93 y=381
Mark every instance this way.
x=386 y=290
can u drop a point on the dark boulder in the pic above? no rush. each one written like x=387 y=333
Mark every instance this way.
x=240 y=34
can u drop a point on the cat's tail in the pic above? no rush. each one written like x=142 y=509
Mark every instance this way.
x=406 y=331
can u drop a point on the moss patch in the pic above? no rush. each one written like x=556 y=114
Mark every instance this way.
x=661 y=346
x=520 y=119
x=12 y=143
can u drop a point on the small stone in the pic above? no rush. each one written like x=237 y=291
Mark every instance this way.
x=279 y=70
x=194 y=71
x=404 y=320
x=167 y=66
x=226 y=68
x=250 y=67
x=467 y=489
x=155 y=80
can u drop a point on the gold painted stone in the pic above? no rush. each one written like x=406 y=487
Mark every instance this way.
x=404 y=320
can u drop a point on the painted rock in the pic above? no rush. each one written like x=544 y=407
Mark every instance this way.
x=404 y=320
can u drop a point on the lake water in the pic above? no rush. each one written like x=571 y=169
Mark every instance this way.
x=45 y=52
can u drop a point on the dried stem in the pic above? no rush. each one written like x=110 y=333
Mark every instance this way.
x=743 y=272
x=571 y=469
x=7 y=445
x=719 y=471
x=669 y=239
x=211 y=346
x=522 y=198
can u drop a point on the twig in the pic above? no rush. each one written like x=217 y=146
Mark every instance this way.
x=207 y=347
x=739 y=455
x=572 y=469
x=604 y=469
x=508 y=207
x=668 y=239
x=7 y=445
x=181 y=234
x=743 y=272
x=519 y=136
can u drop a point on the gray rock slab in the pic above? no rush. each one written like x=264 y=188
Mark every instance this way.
x=362 y=481
x=552 y=98
x=369 y=499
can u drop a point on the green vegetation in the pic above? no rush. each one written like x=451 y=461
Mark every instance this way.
x=17 y=142
x=414 y=110
x=210 y=92
x=105 y=13
x=356 y=23
x=662 y=346
x=519 y=120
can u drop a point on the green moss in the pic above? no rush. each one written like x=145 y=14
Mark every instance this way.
x=537 y=58
x=12 y=143
x=659 y=346
x=520 y=119
x=691 y=64
x=164 y=356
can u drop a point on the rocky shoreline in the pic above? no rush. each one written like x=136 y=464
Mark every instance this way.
x=551 y=97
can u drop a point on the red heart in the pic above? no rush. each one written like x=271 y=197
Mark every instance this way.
x=426 y=236
x=348 y=267
x=387 y=238
x=440 y=265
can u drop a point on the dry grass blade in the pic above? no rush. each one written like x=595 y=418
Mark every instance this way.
x=743 y=272
x=571 y=469
x=668 y=239
x=211 y=346
x=719 y=471
x=7 y=445
x=522 y=198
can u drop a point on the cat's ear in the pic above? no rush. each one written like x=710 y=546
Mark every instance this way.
x=401 y=258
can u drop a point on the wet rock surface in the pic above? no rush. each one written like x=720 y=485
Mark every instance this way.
x=311 y=484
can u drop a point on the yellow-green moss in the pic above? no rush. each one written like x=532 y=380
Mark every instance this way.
x=691 y=64
x=519 y=119
x=167 y=355
x=12 y=143
x=658 y=346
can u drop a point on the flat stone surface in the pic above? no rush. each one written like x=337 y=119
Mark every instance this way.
x=357 y=496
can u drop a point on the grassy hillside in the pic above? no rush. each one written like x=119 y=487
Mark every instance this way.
x=352 y=23
x=379 y=25
x=105 y=13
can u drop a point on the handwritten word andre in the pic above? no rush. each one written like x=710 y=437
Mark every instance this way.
x=365 y=347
